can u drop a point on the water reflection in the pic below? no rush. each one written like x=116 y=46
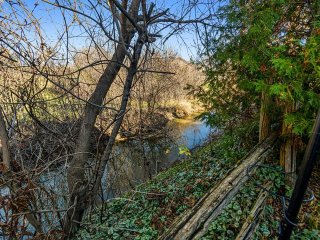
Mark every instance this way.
x=134 y=162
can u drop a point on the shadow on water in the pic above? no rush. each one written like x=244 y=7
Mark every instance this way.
x=135 y=162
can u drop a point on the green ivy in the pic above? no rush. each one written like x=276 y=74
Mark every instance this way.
x=138 y=215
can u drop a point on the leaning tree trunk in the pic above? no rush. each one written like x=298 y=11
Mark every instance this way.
x=77 y=182
x=79 y=185
x=264 y=124
x=119 y=117
x=288 y=150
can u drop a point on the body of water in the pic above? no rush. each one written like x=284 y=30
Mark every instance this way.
x=135 y=162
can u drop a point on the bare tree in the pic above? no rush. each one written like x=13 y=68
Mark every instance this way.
x=121 y=35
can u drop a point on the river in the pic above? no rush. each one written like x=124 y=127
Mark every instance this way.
x=133 y=162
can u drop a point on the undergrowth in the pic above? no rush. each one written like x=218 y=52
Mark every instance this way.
x=147 y=211
x=230 y=221
x=308 y=219
x=228 y=224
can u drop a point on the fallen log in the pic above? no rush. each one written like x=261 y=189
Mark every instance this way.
x=194 y=223
x=251 y=221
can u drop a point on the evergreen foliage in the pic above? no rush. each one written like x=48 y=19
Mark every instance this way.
x=263 y=46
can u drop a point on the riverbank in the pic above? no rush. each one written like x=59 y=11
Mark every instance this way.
x=145 y=125
x=136 y=161
x=148 y=210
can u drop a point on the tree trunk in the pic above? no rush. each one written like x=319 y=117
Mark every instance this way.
x=119 y=117
x=288 y=155
x=13 y=184
x=82 y=189
x=311 y=155
x=77 y=182
x=80 y=186
x=288 y=151
x=4 y=144
x=264 y=124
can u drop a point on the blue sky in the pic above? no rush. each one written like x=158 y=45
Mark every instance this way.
x=183 y=44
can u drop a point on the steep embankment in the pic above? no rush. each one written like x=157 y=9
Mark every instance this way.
x=150 y=209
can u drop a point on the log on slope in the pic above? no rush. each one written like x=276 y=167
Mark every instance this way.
x=195 y=222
